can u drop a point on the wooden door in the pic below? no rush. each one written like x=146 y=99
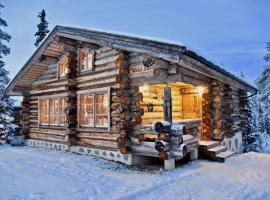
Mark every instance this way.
x=190 y=106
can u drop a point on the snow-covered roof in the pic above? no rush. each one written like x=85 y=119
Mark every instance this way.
x=164 y=49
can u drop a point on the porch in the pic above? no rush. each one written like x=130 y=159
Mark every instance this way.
x=189 y=109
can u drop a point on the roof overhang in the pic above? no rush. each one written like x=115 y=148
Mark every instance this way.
x=160 y=49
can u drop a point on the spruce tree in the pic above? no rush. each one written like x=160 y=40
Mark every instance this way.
x=6 y=104
x=252 y=137
x=263 y=84
x=42 y=28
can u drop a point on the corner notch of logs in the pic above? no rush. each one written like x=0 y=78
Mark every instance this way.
x=127 y=105
x=71 y=98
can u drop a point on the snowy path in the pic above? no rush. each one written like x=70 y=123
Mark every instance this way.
x=29 y=173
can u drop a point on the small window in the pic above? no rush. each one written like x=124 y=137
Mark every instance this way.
x=62 y=67
x=86 y=60
x=94 y=110
x=52 y=112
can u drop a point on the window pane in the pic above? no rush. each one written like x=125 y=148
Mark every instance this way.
x=63 y=68
x=86 y=110
x=44 y=114
x=102 y=109
x=62 y=115
x=54 y=111
x=86 y=59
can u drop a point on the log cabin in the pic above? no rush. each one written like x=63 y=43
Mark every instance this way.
x=128 y=98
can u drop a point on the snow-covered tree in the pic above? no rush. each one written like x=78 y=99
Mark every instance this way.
x=252 y=138
x=42 y=28
x=258 y=135
x=6 y=104
x=263 y=84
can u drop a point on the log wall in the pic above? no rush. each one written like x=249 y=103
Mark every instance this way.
x=154 y=95
x=121 y=74
x=48 y=85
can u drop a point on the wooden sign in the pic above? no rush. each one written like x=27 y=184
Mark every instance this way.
x=139 y=69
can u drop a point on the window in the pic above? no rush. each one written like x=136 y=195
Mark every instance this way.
x=86 y=60
x=52 y=111
x=62 y=67
x=93 y=110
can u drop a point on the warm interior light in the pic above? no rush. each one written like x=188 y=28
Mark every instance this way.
x=200 y=89
x=143 y=88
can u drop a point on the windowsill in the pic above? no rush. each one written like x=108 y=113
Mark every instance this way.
x=61 y=77
x=52 y=126
x=92 y=128
x=87 y=71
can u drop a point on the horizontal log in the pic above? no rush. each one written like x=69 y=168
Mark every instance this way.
x=46 y=137
x=103 y=144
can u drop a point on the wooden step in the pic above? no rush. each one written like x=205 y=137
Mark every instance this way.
x=213 y=150
x=224 y=155
x=218 y=149
x=208 y=144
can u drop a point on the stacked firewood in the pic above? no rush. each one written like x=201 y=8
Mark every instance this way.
x=25 y=116
x=216 y=95
x=170 y=140
x=126 y=103
x=206 y=116
x=71 y=98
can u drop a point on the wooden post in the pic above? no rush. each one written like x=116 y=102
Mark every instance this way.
x=227 y=108
x=216 y=112
x=167 y=104
x=206 y=117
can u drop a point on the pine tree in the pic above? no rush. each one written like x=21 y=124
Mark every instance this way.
x=42 y=28
x=6 y=104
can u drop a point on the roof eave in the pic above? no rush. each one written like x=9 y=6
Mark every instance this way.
x=248 y=86
x=38 y=52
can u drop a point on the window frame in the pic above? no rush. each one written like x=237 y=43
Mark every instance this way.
x=88 y=51
x=58 y=124
x=95 y=92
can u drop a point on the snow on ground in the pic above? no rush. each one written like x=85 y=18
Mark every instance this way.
x=31 y=173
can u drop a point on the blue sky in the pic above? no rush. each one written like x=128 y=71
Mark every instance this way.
x=230 y=33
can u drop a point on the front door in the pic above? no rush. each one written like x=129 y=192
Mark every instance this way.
x=190 y=106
